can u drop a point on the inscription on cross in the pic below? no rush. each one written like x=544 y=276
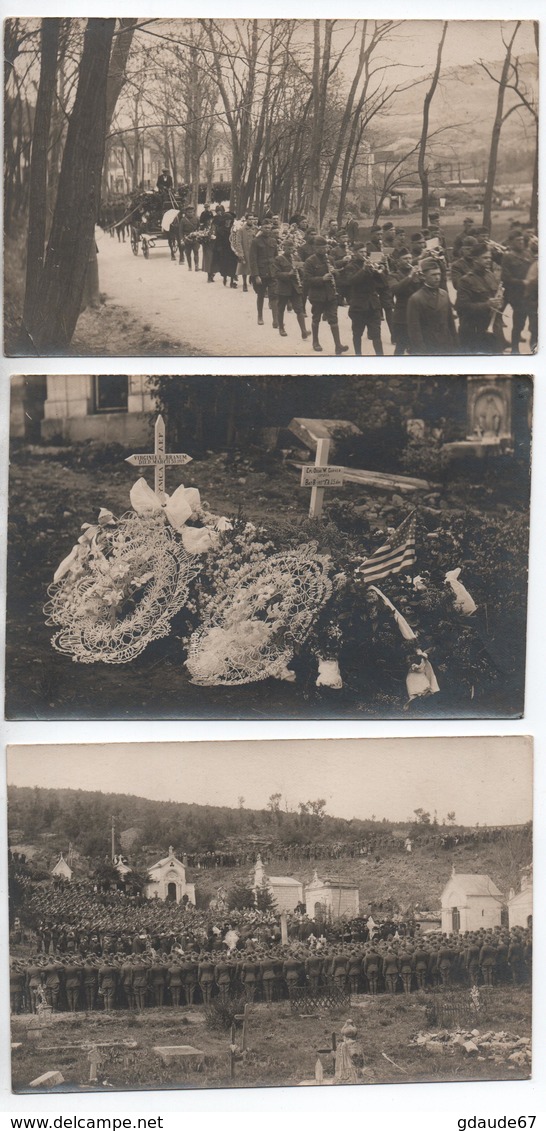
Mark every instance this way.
x=320 y=476
x=159 y=459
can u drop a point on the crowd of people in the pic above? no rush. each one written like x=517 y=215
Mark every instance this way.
x=259 y=967
x=79 y=947
x=431 y=298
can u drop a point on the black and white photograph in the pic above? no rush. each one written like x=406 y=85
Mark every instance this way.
x=268 y=547
x=270 y=187
x=209 y=926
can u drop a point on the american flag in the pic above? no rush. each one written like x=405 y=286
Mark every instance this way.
x=397 y=554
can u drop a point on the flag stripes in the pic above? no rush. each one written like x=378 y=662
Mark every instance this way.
x=397 y=554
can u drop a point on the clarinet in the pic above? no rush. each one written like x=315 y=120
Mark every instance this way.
x=499 y=293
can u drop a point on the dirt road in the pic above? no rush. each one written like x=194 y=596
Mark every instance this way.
x=209 y=318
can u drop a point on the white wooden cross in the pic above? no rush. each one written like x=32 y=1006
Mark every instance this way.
x=320 y=475
x=159 y=459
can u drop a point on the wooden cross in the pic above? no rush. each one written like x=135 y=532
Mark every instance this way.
x=159 y=459
x=319 y=476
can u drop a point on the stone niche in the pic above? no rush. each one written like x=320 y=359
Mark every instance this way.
x=489 y=409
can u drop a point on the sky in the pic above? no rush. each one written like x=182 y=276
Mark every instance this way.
x=485 y=779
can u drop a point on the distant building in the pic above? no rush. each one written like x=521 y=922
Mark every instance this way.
x=331 y=899
x=287 y=891
x=167 y=880
x=520 y=904
x=62 y=869
x=470 y=902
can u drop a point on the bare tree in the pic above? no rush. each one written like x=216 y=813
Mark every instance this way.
x=500 y=118
x=422 y=156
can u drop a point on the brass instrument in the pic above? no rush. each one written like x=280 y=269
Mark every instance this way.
x=499 y=293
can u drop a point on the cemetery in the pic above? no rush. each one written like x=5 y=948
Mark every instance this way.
x=312 y=566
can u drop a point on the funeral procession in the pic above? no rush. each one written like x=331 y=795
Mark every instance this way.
x=271 y=187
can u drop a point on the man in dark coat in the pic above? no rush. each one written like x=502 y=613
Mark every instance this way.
x=320 y=286
x=465 y=262
x=164 y=182
x=468 y=230
x=263 y=251
x=431 y=326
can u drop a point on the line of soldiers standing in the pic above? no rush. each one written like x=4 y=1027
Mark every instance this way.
x=150 y=978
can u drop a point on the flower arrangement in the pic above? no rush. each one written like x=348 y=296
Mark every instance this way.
x=124 y=580
x=256 y=606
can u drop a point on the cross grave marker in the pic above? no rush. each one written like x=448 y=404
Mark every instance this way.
x=159 y=459
x=320 y=476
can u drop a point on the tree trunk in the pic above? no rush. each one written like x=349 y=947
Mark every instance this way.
x=495 y=136
x=38 y=169
x=421 y=161
x=533 y=213
x=117 y=71
x=52 y=321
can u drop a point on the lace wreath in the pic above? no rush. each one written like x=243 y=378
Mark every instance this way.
x=119 y=589
x=249 y=631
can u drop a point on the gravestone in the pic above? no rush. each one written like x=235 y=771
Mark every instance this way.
x=47 y=1080
x=170 y=1053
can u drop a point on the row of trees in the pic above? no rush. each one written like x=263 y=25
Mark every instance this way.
x=295 y=111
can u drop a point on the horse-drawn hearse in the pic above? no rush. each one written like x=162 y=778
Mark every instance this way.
x=154 y=217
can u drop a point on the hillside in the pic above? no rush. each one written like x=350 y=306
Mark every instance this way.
x=388 y=877
x=465 y=98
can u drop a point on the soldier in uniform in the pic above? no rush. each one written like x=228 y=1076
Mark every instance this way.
x=90 y=982
x=354 y=969
x=158 y=980
x=73 y=976
x=53 y=973
x=140 y=982
x=108 y=980
x=34 y=983
x=320 y=286
x=488 y=957
x=471 y=959
x=263 y=251
x=445 y=962
x=190 y=969
x=405 y=965
x=390 y=970
x=174 y=981
x=267 y=975
x=250 y=973
x=313 y=970
x=372 y=968
x=205 y=976
x=288 y=286
x=222 y=977
x=126 y=982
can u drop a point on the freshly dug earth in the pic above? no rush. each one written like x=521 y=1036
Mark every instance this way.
x=282 y=1047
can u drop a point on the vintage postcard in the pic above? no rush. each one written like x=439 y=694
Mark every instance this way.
x=270 y=187
x=213 y=927
x=268 y=547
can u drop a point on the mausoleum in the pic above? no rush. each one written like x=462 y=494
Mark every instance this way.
x=470 y=902
x=331 y=899
x=167 y=880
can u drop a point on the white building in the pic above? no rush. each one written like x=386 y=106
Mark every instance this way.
x=470 y=902
x=62 y=869
x=520 y=904
x=110 y=408
x=331 y=899
x=167 y=880
x=287 y=891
